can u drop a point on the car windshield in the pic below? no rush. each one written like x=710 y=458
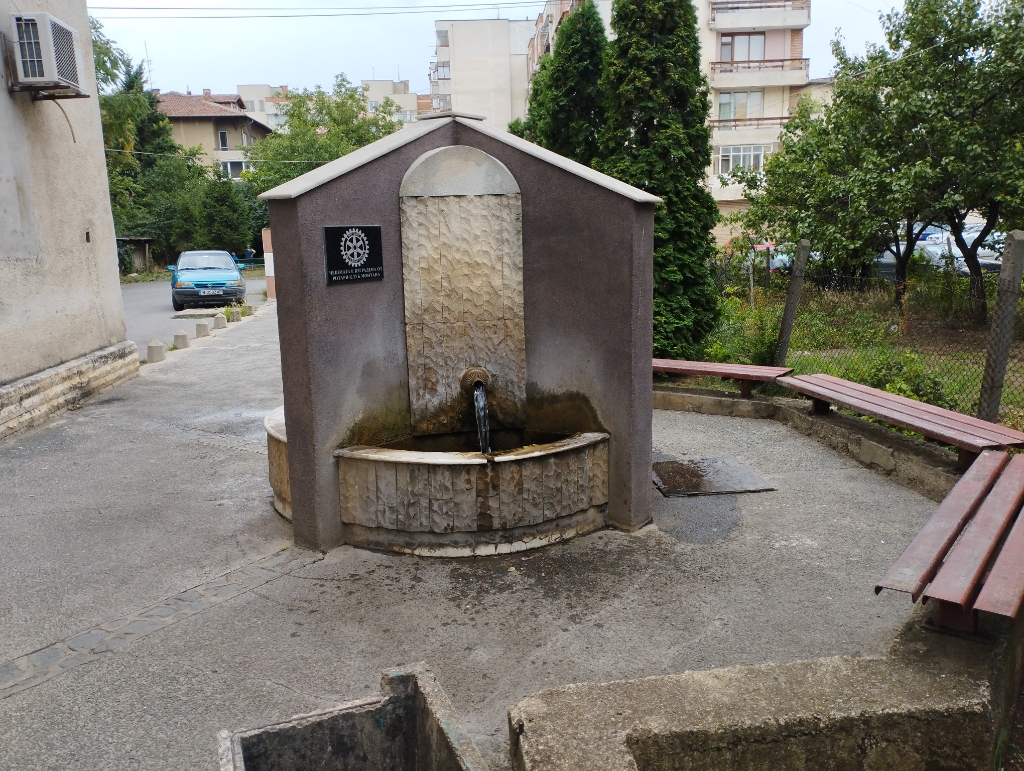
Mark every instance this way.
x=205 y=260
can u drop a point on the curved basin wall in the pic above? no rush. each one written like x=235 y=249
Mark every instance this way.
x=449 y=503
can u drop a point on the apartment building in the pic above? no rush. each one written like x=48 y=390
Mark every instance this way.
x=545 y=28
x=216 y=122
x=265 y=104
x=752 y=53
x=376 y=91
x=481 y=67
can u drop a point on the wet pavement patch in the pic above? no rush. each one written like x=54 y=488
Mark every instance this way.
x=698 y=519
x=706 y=476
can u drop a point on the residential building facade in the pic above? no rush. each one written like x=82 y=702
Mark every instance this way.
x=62 y=320
x=218 y=123
x=481 y=67
x=265 y=104
x=545 y=28
x=752 y=53
x=376 y=91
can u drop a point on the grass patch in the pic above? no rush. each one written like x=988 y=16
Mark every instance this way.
x=152 y=275
x=254 y=273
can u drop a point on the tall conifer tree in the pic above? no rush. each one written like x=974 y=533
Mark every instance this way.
x=656 y=137
x=566 y=102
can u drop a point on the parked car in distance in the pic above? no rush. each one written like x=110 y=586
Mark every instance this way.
x=938 y=256
x=205 y=278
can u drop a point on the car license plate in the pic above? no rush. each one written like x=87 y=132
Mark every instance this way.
x=211 y=291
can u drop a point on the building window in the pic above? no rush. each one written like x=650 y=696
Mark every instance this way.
x=442 y=37
x=372 y=106
x=739 y=105
x=740 y=157
x=743 y=48
x=263 y=106
x=223 y=140
x=249 y=105
x=441 y=102
x=407 y=116
x=234 y=169
x=444 y=70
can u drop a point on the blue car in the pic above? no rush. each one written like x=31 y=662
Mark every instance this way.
x=205 y=278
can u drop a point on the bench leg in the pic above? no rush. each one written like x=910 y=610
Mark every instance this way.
x=820 y=407
x=954 y=618
x=746 y=387
x=964 y=458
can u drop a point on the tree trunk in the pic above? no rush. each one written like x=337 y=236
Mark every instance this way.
x=979 y=302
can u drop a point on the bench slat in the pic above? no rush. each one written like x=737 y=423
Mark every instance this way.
x=922 y=425
x=1003 y=592
x=959 y=575
x=920 y=561
x=715 y=369
x=965 y=422
x=945 y=419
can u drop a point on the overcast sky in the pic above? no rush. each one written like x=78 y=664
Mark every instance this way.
x=388 y=42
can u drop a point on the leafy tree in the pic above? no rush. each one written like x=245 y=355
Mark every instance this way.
x=320 y=126
x=656 y=137
x=107 y=57
x=566 y=108
x=961 y=74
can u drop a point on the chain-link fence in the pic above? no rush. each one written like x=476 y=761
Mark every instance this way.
x=928 y=341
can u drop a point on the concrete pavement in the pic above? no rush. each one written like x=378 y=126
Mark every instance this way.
x=158 y=489
x=149 y=315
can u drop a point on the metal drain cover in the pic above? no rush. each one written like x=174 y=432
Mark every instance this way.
x=706 y=476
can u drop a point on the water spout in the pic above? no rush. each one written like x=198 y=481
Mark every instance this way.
x=483 y=427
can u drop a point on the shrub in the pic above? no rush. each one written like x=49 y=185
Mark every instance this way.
x=905 y=374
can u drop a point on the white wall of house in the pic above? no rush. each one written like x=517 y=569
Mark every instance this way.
x=60 y=296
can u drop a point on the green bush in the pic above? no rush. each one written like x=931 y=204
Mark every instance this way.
x=745 y=335
x=125 y=258
x=904 y=373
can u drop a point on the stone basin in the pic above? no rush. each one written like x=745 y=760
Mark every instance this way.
x=436 y=496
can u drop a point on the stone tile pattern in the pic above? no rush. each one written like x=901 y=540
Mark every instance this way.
x=46 y=663
x=462 y=262
x=465 y=498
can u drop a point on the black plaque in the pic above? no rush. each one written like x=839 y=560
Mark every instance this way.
x=353 y=253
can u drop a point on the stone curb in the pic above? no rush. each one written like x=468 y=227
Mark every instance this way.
x=39 y=666
x=215 y=332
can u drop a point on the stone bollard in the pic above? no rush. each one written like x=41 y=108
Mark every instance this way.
x=236 y=315
x=181 y=339
x=155 y=351
x=249 y=310
x=219 y=322
x=202 y=329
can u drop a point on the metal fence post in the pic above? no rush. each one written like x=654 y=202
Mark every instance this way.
x=1001 y=334
x=796 y=282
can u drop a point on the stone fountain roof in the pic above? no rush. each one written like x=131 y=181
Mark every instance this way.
x=330 y=171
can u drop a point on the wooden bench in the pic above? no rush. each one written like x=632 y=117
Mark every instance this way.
x=746 y=374
x=970 y=436
x=982 y=571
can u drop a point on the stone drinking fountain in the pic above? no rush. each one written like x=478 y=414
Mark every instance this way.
x=465 y=330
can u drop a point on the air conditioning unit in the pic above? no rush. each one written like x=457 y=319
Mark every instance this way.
x=45 y=55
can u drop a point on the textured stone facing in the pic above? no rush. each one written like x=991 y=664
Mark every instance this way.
x=452 y=498
x=462 y=260
x=30 y=400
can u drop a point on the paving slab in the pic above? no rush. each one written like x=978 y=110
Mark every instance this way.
x=160 y=487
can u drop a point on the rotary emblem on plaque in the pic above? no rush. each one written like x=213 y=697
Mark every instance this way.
x=355 y=247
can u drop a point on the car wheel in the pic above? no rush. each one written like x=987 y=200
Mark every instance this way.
x=177 y=305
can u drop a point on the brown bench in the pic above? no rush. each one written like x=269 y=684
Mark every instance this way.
x=970 y=436
x=982 y=571
x=746 y=374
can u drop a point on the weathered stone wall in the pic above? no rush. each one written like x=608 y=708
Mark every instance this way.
x=60 y=297
x=464 y=492
x=462 y=260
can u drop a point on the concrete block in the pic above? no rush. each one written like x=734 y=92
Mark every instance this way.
x=875 y=454
x=219 y=322
x=249 y=310
x=203 y=329
x=235 y=314
x=156 y=351
x=181 y=339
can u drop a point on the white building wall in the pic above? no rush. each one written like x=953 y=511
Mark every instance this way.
x=60 y=295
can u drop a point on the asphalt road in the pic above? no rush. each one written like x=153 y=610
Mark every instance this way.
x=149 y=315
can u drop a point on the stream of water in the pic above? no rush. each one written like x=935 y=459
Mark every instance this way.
x=483 y=427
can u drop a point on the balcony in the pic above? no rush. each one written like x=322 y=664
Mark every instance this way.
x=751 y=15
x=766 y=72
x=749 y=123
